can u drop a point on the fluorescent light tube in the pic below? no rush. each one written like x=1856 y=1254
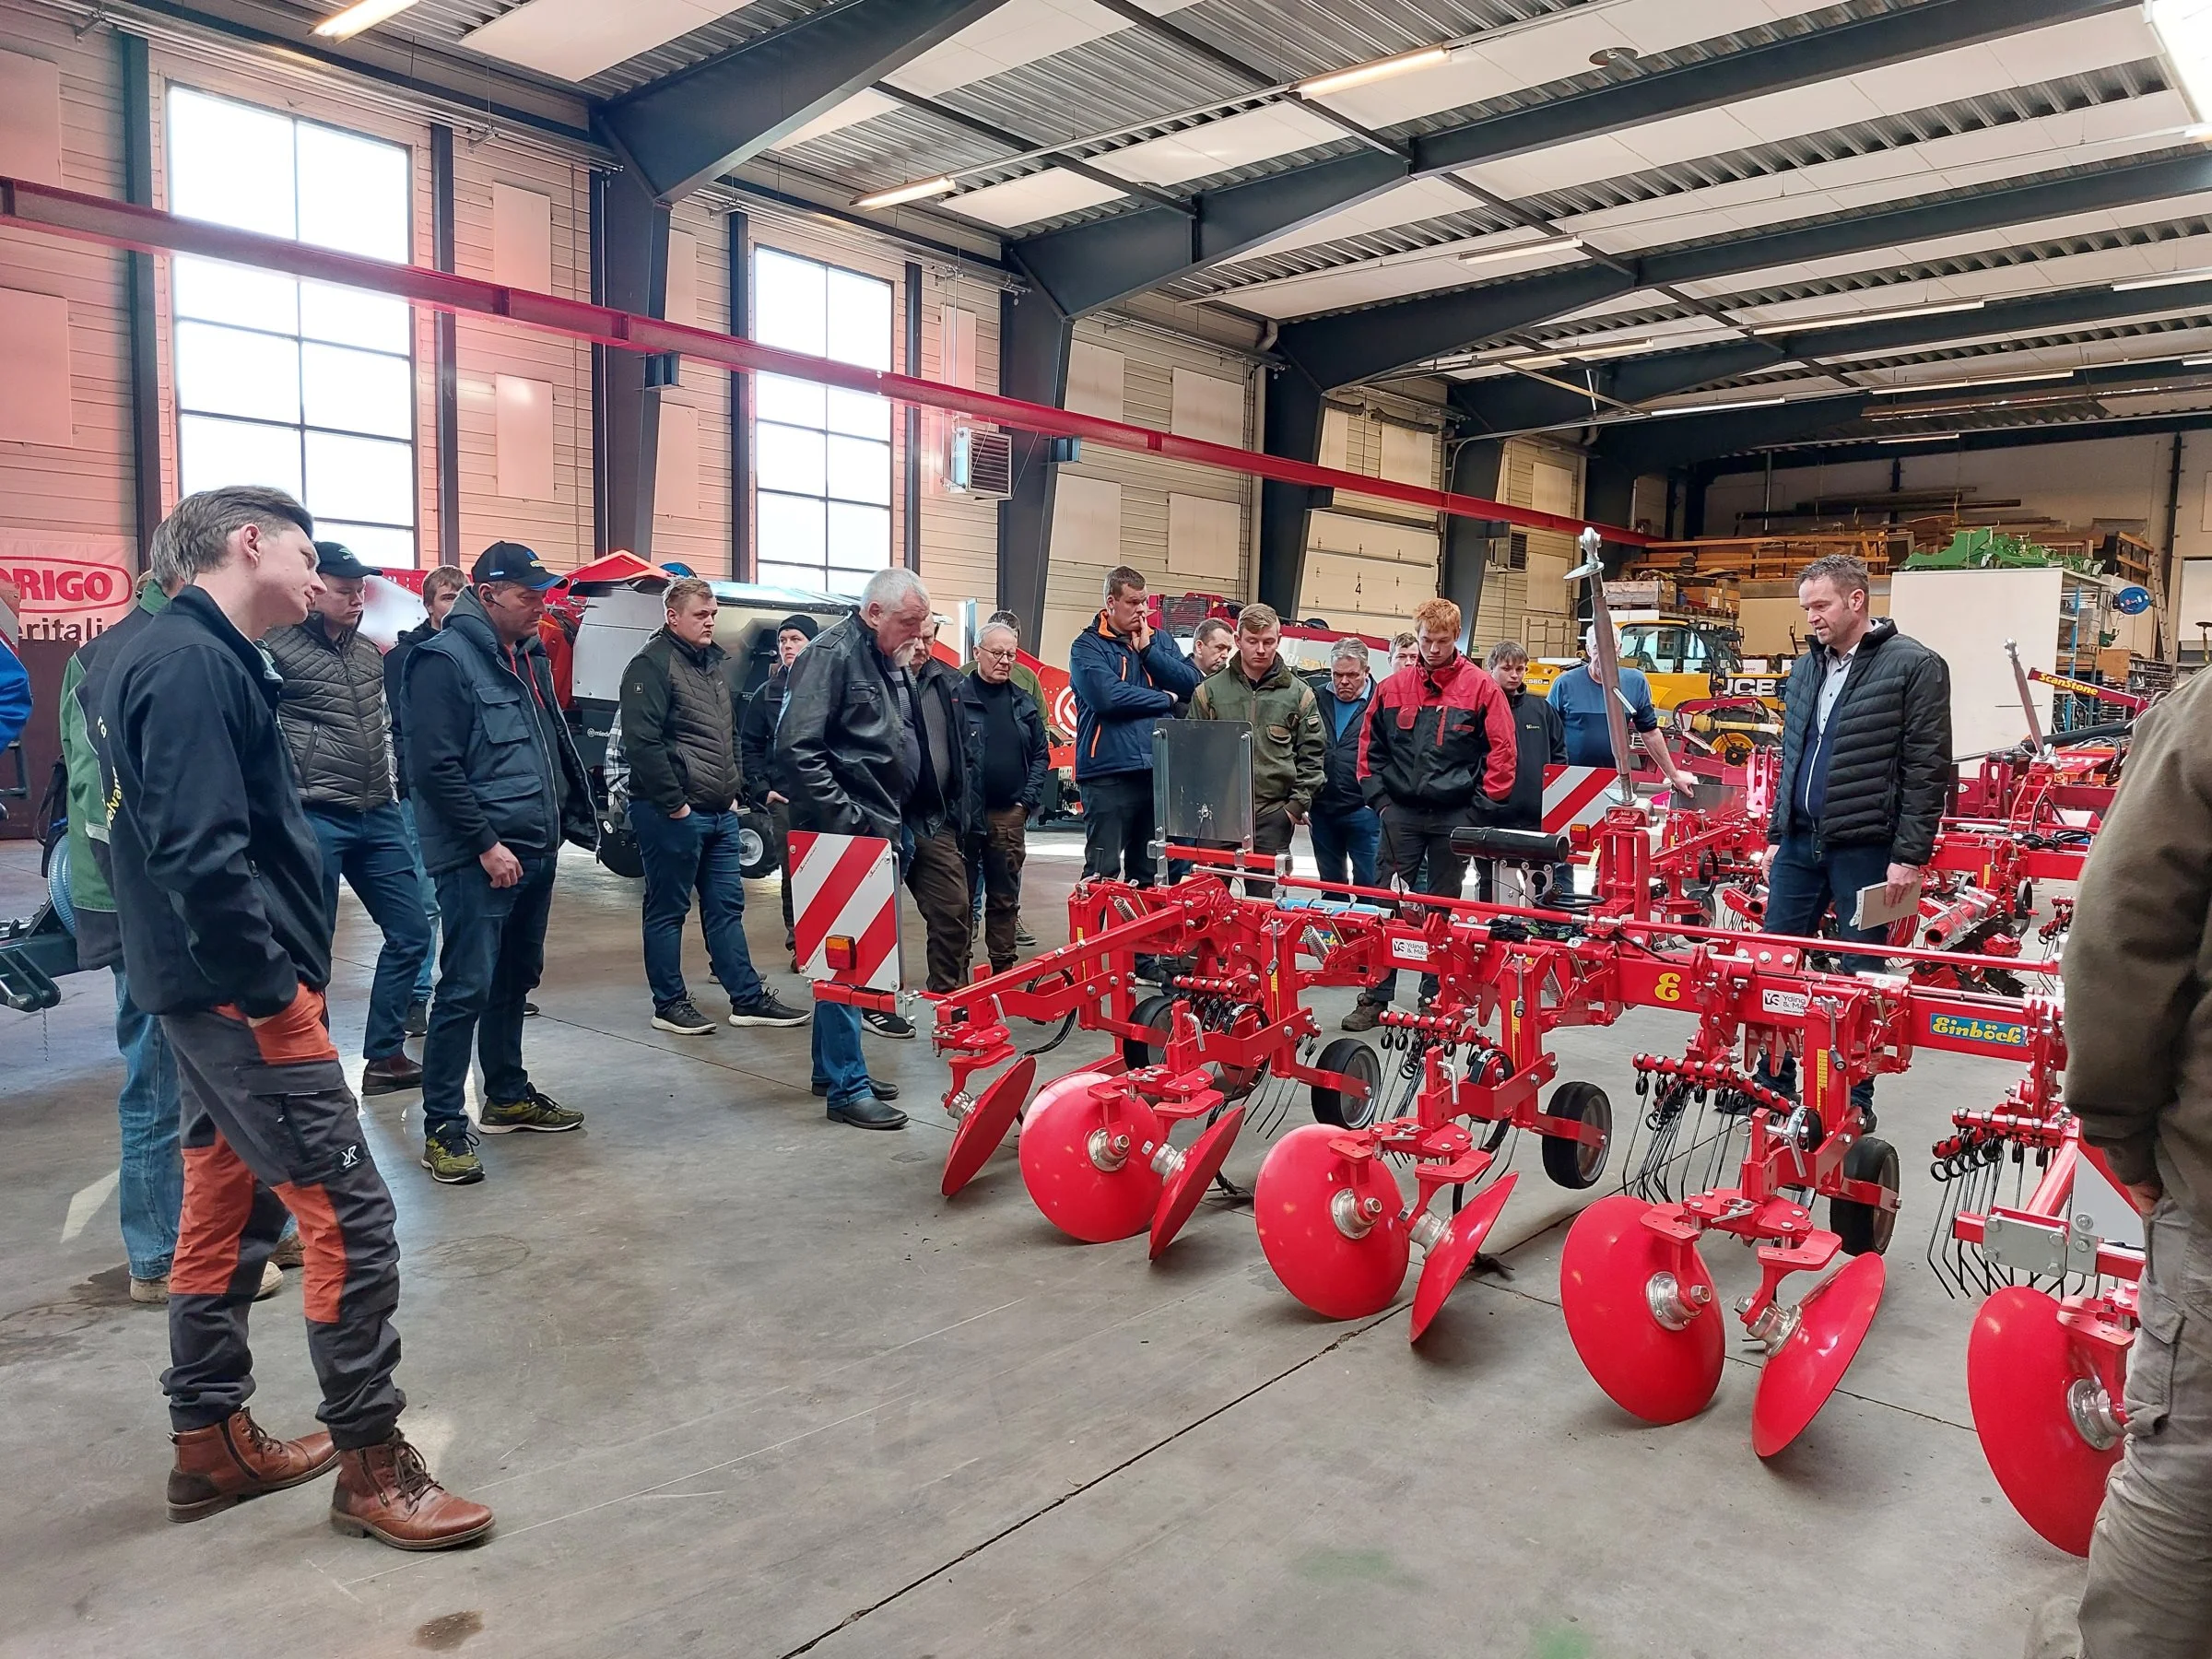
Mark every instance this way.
x=1897 y=313
x=915 y=192
x=1359 y=74
x=363 y=14
x=2171 y=279
x=1488 y=256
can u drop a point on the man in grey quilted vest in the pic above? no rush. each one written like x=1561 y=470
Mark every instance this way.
x=334 y=723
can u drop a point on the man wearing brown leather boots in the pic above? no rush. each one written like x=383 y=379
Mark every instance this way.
x=226 y=936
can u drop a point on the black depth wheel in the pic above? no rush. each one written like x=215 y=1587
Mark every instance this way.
x=1333 y=1106
x=1865 y=1227
x=1155 y=1013
x=1577 y=1163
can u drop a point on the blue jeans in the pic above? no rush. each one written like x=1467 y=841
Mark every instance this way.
x=151 y=1184
x=429 y=901
x=1803 y=885
x=495 y=950
x=1336 y=835
x=370 y=850
x=838 y=1064
x=699 y=852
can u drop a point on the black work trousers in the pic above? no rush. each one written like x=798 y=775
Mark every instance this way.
x=1117 y=827
x=1417 y=849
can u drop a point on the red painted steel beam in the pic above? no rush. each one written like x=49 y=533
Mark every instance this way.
x=29 y=207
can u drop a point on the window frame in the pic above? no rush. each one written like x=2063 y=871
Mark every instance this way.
x=828 y=574
x=298 y=338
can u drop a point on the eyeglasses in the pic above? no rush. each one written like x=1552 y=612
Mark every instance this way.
x=997 y=653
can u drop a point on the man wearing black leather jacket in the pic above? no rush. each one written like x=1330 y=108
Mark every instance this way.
x=849 y=751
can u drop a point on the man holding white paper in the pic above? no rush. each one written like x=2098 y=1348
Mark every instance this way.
x=1866 y=769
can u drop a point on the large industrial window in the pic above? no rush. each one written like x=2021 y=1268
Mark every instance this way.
x=300 y=385
x=821 y=457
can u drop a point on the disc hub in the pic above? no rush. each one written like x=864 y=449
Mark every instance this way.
x=2091 y=1408
x=1672 y=1306
x=1354 y=1213
x=1109 y=1148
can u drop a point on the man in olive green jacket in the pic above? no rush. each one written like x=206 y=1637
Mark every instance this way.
x=2138 y=979
x=1289 y=742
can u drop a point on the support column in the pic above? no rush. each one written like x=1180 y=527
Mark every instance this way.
x=1034 y=336
x=138 y=292
x=447 y=348
x=1293 y=429
x=630 y=263
x=1473 y=470
x=911 y=471
x=741 y=408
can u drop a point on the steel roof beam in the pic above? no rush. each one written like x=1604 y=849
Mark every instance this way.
x=689 y=128
x=1090 y=265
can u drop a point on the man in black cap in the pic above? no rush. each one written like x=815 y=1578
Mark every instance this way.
x=334 y=723
x=497 y=785
x=757 y=746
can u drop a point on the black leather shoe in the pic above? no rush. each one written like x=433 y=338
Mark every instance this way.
x=868 y=1114
x=876 y=1086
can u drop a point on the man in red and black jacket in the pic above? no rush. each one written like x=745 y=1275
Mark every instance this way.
x=1438 y=753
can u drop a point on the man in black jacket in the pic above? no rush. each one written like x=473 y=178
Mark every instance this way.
x=497 y=785
x=680 y=734
x=226 y=936
x=1866 y=768
x=1539 y=741
x=1009 y=734
x=332 y=716
x=848 y=749
x=943 y=815
x=440 y=587
x=756 y=744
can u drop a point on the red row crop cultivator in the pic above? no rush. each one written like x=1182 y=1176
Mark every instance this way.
x=1714 y=1147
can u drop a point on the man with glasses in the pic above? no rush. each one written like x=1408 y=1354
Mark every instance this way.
x=1344 y=828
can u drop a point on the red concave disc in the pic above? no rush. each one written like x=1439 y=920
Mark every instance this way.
x=986 y=1123
x=1188 y=1184
x=1455 y=1252
x=1075 y=1195
x=1649 y=1371
x=2019 y=1364
x=1806 y=1370
x=1336 y=1276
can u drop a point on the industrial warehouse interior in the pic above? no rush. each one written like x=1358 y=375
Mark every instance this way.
x=1473 y=724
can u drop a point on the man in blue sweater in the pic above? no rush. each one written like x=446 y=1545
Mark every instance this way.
x=1126 y=676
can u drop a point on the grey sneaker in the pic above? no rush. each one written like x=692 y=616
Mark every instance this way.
x=272 y=1282
x=151 y=1290
x=768 y=1011
x=1365 y=1017
x=534 y=1110
x=683 y=1020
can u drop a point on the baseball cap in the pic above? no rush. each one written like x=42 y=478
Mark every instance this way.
x=511 y=561
x=335 y=559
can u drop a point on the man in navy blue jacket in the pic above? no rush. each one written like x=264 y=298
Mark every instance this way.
x=15 y=679
x=1126 y=677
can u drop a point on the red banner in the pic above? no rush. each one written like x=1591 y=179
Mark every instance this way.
x=73 y=586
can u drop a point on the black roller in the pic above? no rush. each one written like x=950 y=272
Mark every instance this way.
x=1515 y=846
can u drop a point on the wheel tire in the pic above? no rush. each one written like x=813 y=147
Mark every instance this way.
x=619 y=850
x=1154 y=1013
x=1571 y=1163
x=1865 y=1227
x=758 y=853
x=1333 y=1106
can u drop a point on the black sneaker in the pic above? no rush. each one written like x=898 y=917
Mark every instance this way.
x=876 y=1086
x=888 y=1025
x=418 y=1022
x=768 y=1011
x=529 y=1009
x=683 y=1020
x=868 y=1114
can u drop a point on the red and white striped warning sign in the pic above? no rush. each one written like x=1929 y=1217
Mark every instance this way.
x=844 y=906
x=1575 y=795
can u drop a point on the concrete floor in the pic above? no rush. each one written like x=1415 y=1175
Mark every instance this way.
x=739 y=1382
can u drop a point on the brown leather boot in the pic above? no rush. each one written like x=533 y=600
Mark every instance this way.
x=384 y=1492
x=236 y=1460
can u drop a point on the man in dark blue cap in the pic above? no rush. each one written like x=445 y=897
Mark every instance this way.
x=497 y=785
x=335 y=721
